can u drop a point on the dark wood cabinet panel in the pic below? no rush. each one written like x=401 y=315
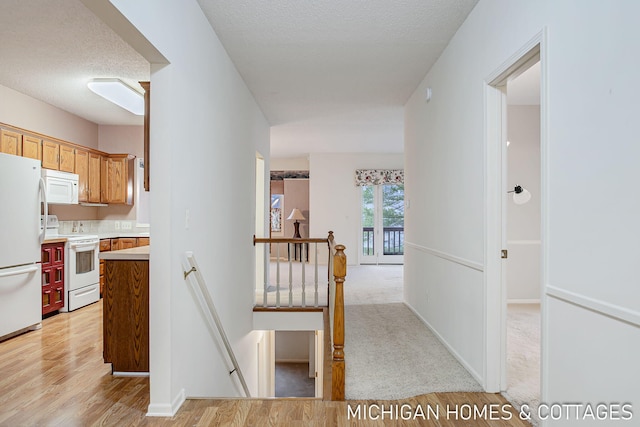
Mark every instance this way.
x=126 y=315
x=52 y=259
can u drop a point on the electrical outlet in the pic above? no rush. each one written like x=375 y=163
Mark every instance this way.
x=126 y=225
x=116 y=225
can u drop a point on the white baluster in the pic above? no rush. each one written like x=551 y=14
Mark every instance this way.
x=316 y=276
x=290 y=277
x=302 y=245
x=266 y=274
x=278 y=275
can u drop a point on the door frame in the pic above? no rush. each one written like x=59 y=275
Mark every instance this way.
x=495 y=314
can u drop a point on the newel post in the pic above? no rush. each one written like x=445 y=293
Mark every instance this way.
x=337 y=369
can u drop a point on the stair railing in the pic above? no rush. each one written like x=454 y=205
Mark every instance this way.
x=338 y=364
x=295 y=294
x=206 y=303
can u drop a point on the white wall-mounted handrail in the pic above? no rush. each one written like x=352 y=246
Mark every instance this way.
x=207 y=304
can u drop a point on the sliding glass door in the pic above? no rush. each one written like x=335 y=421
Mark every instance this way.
x=382 y=239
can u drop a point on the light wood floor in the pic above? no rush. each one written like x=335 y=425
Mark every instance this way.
x=55 y=377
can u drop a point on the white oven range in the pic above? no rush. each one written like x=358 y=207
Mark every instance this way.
x=81 y=266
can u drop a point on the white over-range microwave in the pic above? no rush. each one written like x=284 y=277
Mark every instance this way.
x=61 y=187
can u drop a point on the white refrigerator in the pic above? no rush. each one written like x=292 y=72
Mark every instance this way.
x=21 y=195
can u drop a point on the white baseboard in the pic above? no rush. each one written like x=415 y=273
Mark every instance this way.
x=165 y=410
x=455 y=354
x=292 y=361
x=523 y=301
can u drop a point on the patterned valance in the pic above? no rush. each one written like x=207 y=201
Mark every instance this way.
x=379 y=176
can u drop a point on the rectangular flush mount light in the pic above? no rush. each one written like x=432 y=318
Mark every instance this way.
x=120 y=93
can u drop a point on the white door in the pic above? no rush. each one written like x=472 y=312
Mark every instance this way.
x=382 y=239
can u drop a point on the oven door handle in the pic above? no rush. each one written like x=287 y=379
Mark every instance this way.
x=83 y=247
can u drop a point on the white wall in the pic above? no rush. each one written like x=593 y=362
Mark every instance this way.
x=591 y=301
x=334 y=198
x=205 y=131
x=18 y=109
x=523 y=221
x=293 y=346
x=121 y=139
x=289 y=163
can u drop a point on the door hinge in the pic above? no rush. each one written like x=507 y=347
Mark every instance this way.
x=316 y=374
x=505 y=254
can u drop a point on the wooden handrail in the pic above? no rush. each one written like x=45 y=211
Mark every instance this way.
x=338 y=366
x=287 y=240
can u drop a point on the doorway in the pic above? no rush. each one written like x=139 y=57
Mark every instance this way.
x=522 y=225
x=382 y=237
x=499 y=195
x=293 y=364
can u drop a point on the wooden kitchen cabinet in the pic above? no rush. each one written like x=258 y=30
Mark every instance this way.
x=88 y=169
x=67 y=158
x=116 y=179
x=143 y=241
x=105 y=246
x=82 y=169
x=32 y=147
x=94 y=177
x=123 y=243
x=50 y=155
x=52 y=258
x=126 y=315
x=10 y=142
x=58 y=156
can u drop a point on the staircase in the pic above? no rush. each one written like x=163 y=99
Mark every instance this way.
x=291 y=282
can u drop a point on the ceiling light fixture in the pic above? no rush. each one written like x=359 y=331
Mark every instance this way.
x=120 y=93
x=520 y=195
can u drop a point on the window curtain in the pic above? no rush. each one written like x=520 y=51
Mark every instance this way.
x=379 y=176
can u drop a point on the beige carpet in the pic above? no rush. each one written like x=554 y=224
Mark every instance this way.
x=523 y=356
x=390 y=353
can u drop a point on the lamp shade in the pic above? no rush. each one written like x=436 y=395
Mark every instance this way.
x=296 y=215
x=521 y=195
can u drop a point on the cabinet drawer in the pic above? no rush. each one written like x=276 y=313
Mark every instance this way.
x=105 y=245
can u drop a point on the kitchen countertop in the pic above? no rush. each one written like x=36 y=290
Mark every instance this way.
x=116 y=235
x=56 y=240
x=141 y=253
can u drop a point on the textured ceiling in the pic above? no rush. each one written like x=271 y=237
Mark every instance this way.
x=333 y=75
x=330 y=75
x=50 y=49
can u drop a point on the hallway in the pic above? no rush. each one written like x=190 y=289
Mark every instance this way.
x=61 y=364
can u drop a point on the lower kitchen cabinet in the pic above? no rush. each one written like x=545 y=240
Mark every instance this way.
x=105 y=246
x=126 y=315
x=116 y=244
x=52 y=258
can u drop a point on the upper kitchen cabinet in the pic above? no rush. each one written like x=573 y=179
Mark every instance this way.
x=94 y=177
x=88 y=170
x=58 y=156
x=10 y=142
x=32 y=147
x=82 y=169
x=116 y=176
x=67 y=158
x=50 y=155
